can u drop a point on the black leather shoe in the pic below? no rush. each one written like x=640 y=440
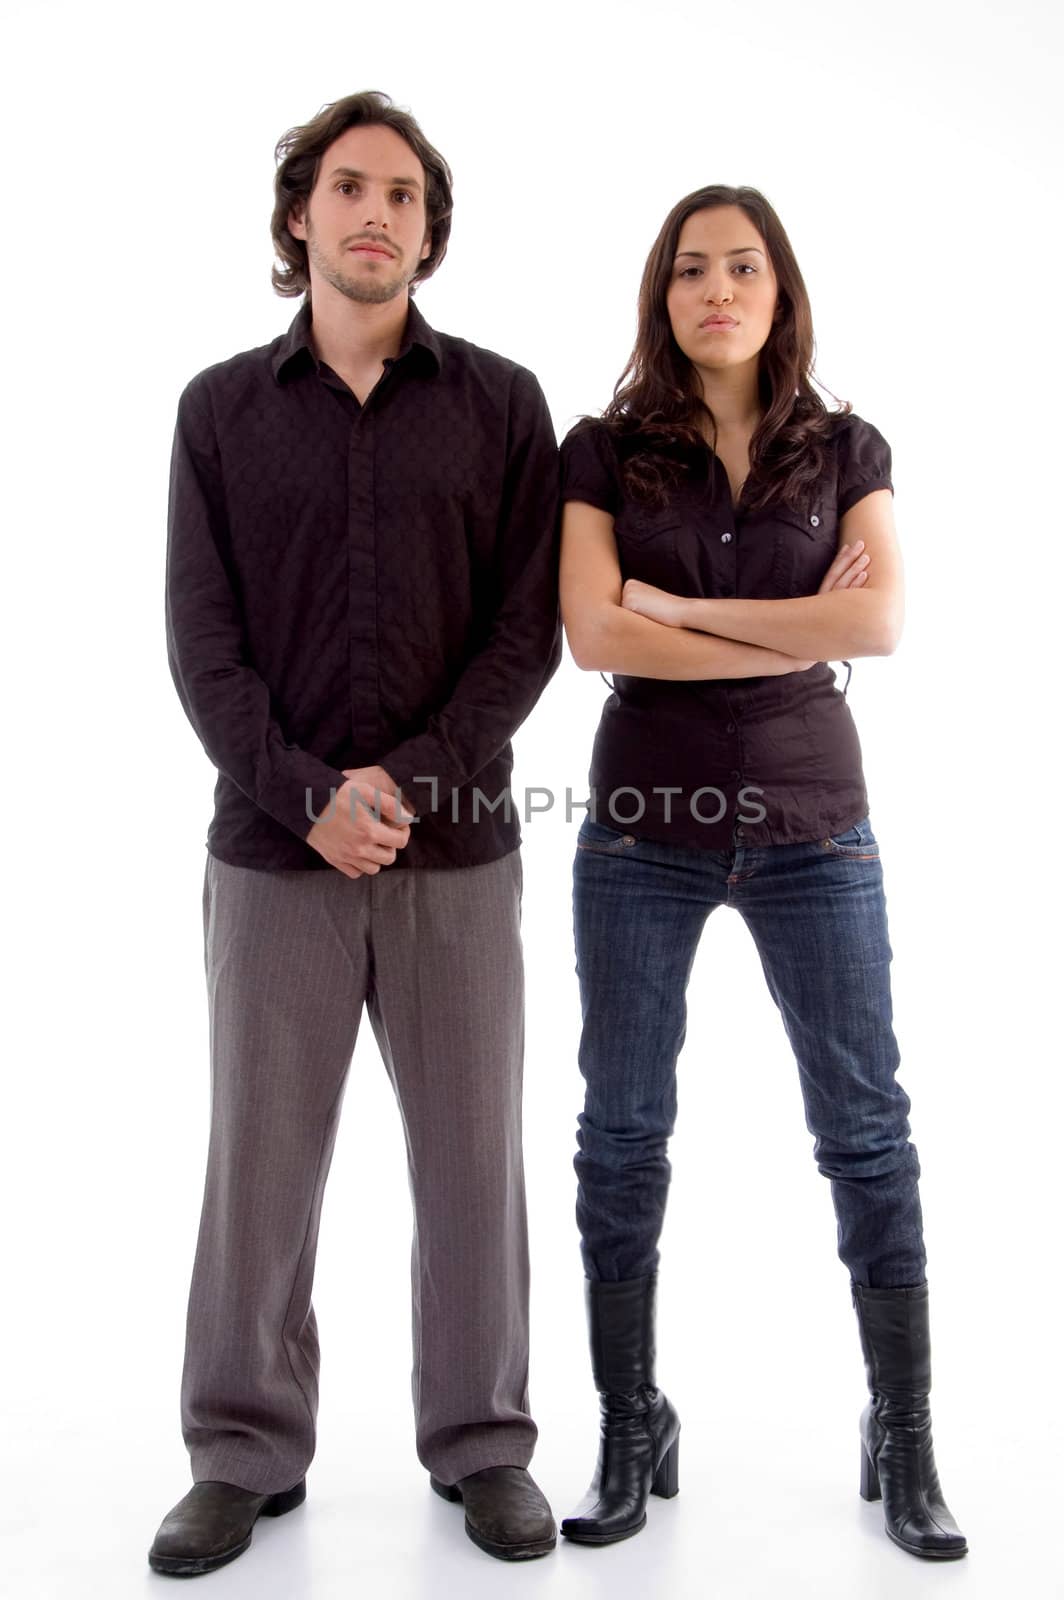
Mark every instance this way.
x=639 y=1431
x=212 y=1525
x=506 y=1512
x=897 y=1456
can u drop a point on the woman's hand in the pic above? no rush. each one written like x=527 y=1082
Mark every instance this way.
x=848 y=570
x=657 y=604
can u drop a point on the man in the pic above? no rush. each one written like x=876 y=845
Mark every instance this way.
x=361 y=608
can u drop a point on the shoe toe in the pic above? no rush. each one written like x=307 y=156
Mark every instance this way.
x=210 y=1524
x=932 y=1535
x=507 y=1513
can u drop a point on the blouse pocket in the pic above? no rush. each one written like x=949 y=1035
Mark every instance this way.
x=640 y=523
x=648 y=543
x=806 y=545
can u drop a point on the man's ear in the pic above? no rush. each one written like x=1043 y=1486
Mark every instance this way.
x=297 y=218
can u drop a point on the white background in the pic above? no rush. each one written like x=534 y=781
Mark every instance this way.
x=909 y=152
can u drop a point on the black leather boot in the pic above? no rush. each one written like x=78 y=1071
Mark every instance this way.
x=212 y=1525
x=639 y=1447
x=897 y=1457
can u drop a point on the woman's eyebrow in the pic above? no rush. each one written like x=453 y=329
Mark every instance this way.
x=701 y=254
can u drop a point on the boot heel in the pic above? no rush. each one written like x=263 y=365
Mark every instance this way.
x=869 y=1477
x=667 y=1478
x=278 y=1504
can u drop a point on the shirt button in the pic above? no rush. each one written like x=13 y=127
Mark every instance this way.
x=734 y=774
x=815 y=521
x=725 y=538
x=730 y=728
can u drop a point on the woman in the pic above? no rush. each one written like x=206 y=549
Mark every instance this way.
x=725 y=536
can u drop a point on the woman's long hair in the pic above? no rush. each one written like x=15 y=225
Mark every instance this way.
x=657 y=401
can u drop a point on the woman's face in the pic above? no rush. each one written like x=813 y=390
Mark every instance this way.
x=721 y=269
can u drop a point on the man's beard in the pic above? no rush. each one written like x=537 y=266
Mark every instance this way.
x=367 y=291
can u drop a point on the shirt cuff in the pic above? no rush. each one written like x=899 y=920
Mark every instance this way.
x=424 y=772
x=306 y=786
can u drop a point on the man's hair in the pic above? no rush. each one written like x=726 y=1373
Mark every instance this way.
x=299 y=153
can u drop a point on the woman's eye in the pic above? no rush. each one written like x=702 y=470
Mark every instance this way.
x=744 y=266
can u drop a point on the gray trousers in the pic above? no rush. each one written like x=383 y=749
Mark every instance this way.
x=290 y=957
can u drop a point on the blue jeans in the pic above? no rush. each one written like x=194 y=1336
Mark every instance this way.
x=817 y=913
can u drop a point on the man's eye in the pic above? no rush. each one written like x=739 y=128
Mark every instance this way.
x=405 y=192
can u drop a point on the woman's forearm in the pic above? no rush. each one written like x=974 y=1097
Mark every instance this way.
x=827 y=627
x=617 y=640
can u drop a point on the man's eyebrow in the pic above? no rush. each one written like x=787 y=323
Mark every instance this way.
x=352 y=172
x=701 y=254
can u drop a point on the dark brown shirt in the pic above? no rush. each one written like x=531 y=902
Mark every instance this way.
x=357 y=585
x=777 y=759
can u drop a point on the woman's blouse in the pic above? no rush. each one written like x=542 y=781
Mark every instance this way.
x=712 y=762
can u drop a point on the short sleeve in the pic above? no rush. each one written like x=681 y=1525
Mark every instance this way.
x=589 y=468
x=864 y=462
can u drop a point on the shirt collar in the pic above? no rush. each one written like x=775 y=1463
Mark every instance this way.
x=418 y=337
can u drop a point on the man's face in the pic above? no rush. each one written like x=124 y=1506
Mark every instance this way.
x=364 y=224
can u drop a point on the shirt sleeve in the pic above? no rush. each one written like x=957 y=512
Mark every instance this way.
x=589 y=470
x=224 y=697
x=864 y=462
x=501 y=681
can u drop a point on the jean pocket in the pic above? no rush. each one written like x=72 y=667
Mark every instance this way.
x=598 y=837
x=857 y=841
